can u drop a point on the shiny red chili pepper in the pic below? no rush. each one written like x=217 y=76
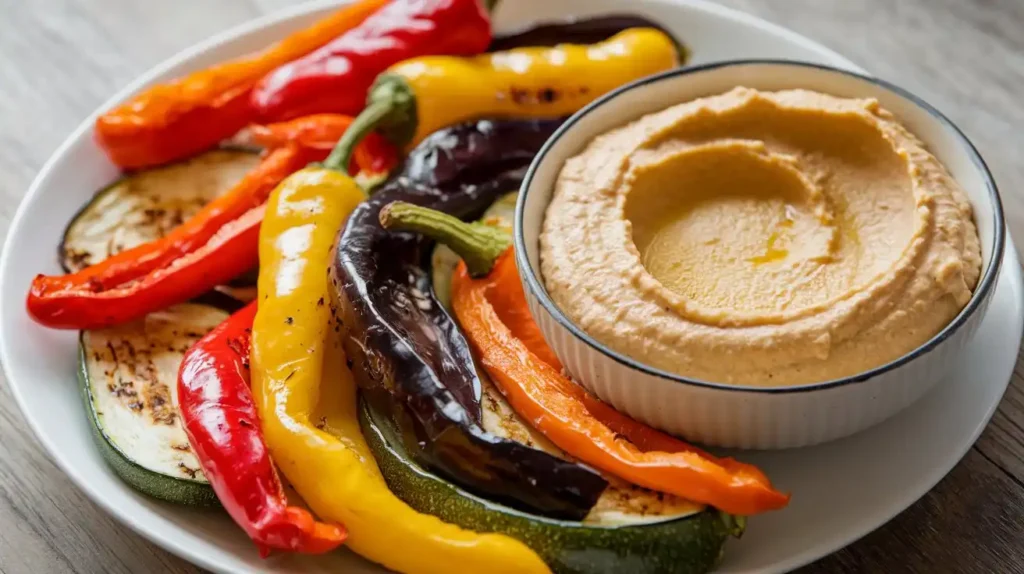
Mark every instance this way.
x=336 y=77
x=233 y=250
x=251 y=191
x=223 y=426
x=188 y=262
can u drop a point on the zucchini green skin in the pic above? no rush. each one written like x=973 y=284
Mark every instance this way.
x=688 y=545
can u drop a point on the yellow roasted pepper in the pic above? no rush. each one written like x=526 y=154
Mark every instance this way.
x=417 y=97
x=311 y=428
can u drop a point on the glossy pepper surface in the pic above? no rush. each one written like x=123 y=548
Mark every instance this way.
x=307 y=399
x=171 y=121
x=211 y=248
x=335 y=78
x=409 y=356
x=490 y=305
x=219 y=415
x=420 y=96
x=229 y=253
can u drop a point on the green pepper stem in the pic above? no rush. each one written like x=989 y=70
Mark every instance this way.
x=365 y=122
x=478 y=244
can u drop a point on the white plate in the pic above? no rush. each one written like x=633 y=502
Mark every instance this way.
x=841 y=490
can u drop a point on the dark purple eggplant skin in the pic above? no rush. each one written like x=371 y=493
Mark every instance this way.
x=411 y=361
x=573 y=30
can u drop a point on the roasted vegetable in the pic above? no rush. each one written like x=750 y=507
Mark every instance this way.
x=488 y=300
x=422 y=95
x=407 y=353
x=129 y=381
x=307 y=400
x=335 y=78
x=174 y=120
x=319 y=134
x=219 y=415
x=211 y=248
x=628 y=530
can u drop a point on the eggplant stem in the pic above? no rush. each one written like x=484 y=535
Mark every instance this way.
x=478 y=244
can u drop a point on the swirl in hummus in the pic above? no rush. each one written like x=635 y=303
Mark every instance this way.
x=760 y=238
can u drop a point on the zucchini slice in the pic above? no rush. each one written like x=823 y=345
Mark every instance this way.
x=129 y=376
x=146 y=205
x=659 y=542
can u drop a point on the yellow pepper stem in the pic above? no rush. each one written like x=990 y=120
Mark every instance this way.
x=391 y=106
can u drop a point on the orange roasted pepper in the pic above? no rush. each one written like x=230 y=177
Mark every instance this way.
x=563 y=411
x=173 y=120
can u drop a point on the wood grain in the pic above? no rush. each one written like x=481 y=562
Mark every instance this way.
x=62 y=58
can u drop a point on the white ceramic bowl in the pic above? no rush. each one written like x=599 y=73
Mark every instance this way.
x=753 y=417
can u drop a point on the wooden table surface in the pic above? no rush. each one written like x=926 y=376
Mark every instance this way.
x=59 y=59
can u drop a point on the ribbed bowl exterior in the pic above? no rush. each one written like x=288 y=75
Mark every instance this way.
x=755 y=420
x=741 y=417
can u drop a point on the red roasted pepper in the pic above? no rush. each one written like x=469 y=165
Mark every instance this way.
x=231 y=252
x=174 y=268
x=174 y=120
x=251 y=191
x=320 y=133
x=223 y=426
x=336 y=77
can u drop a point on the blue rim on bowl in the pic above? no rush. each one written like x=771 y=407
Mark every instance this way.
x=985 y=286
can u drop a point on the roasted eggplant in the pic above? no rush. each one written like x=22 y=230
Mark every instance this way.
x=407 y=353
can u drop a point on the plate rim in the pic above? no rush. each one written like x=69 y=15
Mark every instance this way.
x=269 y=19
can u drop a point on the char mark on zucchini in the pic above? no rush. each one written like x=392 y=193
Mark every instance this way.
x=129 y=379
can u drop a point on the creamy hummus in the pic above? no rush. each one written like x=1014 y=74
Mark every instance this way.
x=760 y=238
